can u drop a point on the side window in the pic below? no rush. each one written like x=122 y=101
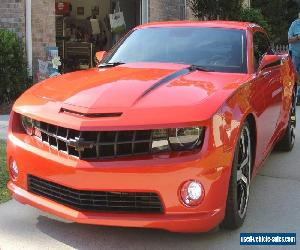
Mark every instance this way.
x=261 y=46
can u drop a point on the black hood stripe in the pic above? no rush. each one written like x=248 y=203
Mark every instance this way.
x=167 y=79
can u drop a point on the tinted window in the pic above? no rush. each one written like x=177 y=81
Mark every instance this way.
x=261 y=46
x=217 y=49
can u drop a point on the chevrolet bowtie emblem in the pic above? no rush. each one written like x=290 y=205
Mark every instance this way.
x=79 y=144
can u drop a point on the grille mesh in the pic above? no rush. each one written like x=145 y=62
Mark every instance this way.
x=94 y=145
x=135 y=202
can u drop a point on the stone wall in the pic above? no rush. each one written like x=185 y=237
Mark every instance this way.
x=43 y=28
x=12 y=16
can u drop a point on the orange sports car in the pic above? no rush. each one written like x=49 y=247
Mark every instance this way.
x=166 y=132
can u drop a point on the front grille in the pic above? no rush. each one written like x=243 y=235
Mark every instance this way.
x=94 y=145
x=96 y=201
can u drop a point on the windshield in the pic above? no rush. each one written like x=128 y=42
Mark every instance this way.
x=216 y=49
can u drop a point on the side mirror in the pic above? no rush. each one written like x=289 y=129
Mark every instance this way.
x=269 y=61
x=100 y=56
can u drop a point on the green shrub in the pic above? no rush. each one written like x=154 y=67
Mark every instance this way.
x=13 y=68
x=255 y=16
x=279 y=14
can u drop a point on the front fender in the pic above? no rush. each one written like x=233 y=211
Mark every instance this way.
x=230 y=118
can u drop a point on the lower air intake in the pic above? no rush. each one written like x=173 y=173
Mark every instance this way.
x=96 y=201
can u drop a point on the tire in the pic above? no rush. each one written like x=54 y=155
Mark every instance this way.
x=239 y=185
x=287 y=142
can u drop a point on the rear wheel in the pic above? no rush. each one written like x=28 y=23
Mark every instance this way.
x=288 y=140
x=239 y=186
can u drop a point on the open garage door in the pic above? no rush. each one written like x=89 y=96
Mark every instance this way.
x=85 y=26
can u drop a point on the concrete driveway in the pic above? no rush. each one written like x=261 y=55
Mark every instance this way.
x=274 y=207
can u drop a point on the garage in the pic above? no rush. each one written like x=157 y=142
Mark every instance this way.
x=86 y=26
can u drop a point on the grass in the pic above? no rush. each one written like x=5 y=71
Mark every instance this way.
x=4 y=194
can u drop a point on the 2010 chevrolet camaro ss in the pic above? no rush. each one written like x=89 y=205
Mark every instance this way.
x=166 y=132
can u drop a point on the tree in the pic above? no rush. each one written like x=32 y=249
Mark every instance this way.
x=203 y=9
x=279 y=14
x=254 y=16
x=213 y=9
x=230 y=10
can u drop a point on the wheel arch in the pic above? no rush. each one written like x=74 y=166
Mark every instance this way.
x=234 y=119
x=250 y=118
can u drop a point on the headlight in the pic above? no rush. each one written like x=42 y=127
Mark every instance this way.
x=27 y=124
x=178 y=139
x=160 y=140
x=185 y=138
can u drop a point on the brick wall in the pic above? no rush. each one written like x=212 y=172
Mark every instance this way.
x=161 y=10
x=189 y=13
x=43 y=28
x=12 y=16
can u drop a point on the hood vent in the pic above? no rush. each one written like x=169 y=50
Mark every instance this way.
x=90 y=115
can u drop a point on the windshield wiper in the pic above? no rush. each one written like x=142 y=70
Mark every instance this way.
x=112 y=64
x=200 y=68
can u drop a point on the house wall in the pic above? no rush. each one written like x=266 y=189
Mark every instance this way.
x=12 y=16
x=162 y=10
x=43 y=29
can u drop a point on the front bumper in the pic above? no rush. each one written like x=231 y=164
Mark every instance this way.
x=161 y=174
x=177 y=223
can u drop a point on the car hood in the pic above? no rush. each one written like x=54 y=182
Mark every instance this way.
x=99 y=90
x=138 y=87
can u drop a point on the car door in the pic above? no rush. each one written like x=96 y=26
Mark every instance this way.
x=272 y=89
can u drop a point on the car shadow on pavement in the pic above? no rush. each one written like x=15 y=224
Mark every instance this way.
x=81 y=236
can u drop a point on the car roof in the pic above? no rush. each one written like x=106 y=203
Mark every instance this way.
x=209 y=24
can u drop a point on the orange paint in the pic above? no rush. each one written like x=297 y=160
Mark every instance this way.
x=220 y=102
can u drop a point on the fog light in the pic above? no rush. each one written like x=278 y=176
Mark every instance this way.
x=192 y=193
x=14 y=170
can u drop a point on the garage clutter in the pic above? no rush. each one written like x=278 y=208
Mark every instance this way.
x=83 y=28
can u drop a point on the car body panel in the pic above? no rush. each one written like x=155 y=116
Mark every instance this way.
x=104 y=92
x=197 y=222
x=220 y=102
x=210 y=24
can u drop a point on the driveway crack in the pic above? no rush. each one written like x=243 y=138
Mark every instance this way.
x=278 y=177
